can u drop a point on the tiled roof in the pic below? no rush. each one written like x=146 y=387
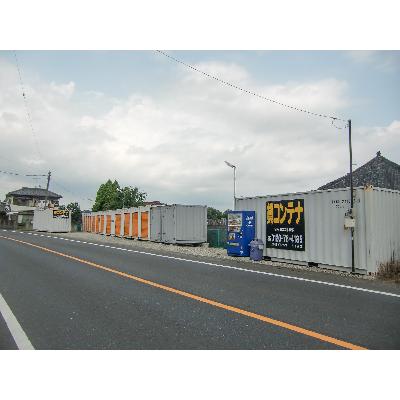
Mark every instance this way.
x=34 y=192
x=378 y=172
x=153 y=203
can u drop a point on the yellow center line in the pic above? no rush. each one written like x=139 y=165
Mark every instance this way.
x=281 y=324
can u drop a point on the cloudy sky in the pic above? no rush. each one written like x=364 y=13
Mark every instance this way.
x=140 y=118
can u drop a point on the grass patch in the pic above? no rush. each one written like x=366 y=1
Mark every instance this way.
x=389 y=271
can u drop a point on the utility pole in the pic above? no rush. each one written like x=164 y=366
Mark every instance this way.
x=48 y=180
x=234 y=181
x=353 y=270
x=47 y=188
x=234 y=187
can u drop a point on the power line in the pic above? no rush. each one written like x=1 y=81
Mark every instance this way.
x=17 y=174
x=340 y=127
x=34 y=135
x=9 y=173
x=36 y=176
x=69 y=191
x=26 y=107
x=249 y=91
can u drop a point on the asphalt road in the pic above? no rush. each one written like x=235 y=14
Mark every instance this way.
x=73 y=295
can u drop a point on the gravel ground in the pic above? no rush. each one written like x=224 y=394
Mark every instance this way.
x=200 y=251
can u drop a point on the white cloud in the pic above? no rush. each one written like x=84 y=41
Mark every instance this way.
x=388 y=61
x=173 y=145
x=65 y=90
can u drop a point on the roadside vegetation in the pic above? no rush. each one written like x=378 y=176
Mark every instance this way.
x=110 y=196
x=214 y=214
x=390 y=271
x=76 y=214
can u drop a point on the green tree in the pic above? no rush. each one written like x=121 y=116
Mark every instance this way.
x=131 y=197
x=110 y=196
x=76 y=214
x=213 y=213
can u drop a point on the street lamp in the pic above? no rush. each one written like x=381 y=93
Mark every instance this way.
x=234 y=181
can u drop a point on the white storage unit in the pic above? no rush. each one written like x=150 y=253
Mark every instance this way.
x=144 y=223
x=323 y=239
x=156 y=224
x=102 y=229
x=135 y=222
x=183 y=224
x=118 y=222
x=52 y=220
x=95 y=222
x=111 y=214
x=167 y=224
x=126 y=222
x=84 y=221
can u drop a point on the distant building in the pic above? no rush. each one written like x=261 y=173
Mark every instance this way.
x=153 y=203
x=29 y=198
x=378 y=172
x=22 y=202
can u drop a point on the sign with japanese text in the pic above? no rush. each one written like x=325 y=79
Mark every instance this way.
x=60 y=213
x=285 y=225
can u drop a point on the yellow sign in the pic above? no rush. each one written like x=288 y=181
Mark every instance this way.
x=60 y=213
x=285 y=225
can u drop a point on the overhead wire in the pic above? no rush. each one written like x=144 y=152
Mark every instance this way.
x=29 y=118
x=299 y=109
x=16 y=173
x=340 y=127
x=69 y=191
x=28 y=113
x=37 y=176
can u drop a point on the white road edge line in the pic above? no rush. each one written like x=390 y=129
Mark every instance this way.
x=18 y=334
x=246 y=270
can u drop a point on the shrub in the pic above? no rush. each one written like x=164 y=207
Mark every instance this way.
x=390 y=271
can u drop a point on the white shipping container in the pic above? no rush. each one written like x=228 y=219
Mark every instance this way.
x=51 y=220
x=168 y=224
x=184 y=224
x=144 y=227
x=326 y=240
x=156 y=224
x=118 y=222
x=111 y=214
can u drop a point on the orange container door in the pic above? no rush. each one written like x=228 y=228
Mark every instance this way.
x=144 y=225
x=126 y=224
x=118 y=225
x=135 y=224
x=108 y=224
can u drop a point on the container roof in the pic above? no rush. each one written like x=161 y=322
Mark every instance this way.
x=314 y=191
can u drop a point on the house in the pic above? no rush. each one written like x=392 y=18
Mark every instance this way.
x=30 y=198
x=378 y=172
x=22 y=203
